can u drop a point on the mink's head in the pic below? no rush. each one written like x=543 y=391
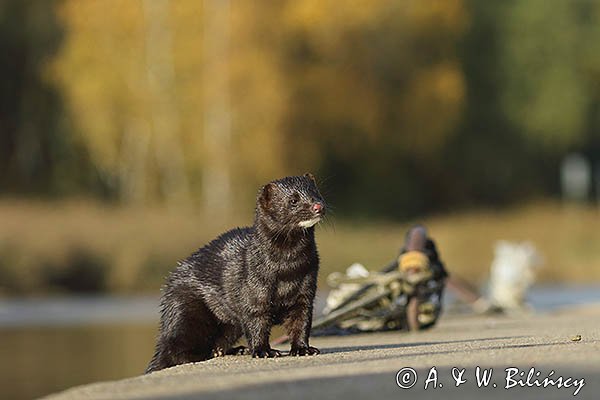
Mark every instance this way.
x=290 y=203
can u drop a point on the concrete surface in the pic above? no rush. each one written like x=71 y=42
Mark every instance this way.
x=366 y=365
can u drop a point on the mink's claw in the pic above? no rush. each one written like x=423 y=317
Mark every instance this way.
x=304 y=351
x=266 y=353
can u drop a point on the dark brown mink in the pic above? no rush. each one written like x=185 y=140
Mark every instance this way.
x=245 y=281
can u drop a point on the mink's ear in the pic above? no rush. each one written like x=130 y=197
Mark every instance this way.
x=311 y=177
x=266 y=194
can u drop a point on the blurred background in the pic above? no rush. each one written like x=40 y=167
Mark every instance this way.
x=133 y=131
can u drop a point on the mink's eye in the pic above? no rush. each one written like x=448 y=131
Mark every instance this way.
x=295 y=199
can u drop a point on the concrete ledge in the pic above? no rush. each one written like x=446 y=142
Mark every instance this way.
x=366 y=365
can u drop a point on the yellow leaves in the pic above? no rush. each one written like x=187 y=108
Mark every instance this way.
x=100 y=70
x=325 y=16
x=368 y=76
x=326 y=23
x=344 y=96
x=433 y=103
x=448 y=16
x=386 y=70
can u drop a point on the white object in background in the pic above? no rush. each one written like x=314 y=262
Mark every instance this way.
x=512 y=273
x=575 y=177
x=341 y=293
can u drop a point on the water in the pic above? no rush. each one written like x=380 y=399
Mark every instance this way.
x=47 y=345
x=77 y=311
x=548 y=298
x=37 y=360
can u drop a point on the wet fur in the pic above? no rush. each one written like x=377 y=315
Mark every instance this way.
x=244 y=282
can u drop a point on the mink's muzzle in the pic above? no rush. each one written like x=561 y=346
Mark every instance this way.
x=318 y=208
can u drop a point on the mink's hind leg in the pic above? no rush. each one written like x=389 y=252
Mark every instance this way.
x=188 y=331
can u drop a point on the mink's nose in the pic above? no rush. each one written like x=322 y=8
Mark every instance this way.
x=317 y=207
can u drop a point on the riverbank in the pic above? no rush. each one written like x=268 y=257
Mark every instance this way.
x=85 y=247
x=566 y=341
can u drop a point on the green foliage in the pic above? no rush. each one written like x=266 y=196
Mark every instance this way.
x=549 y=61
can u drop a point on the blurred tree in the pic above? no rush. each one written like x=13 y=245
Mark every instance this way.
x=37 y=154
x=377 y=93
x=487 y=161
x=102 y=68
x=216 y=175
x=148 y=118
x=532 y=84
x=547 y=55
x=260 y=97
x=164 y=115
x=402 y=107
x=367 y=94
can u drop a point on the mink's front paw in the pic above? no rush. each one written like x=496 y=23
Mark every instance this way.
x=266 y=353
x=304 y=351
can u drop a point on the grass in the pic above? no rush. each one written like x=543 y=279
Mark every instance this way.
x=84 y=246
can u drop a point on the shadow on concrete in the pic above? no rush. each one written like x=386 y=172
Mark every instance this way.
x=344 y=349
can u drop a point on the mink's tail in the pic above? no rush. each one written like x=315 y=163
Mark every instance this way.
x=154 y=364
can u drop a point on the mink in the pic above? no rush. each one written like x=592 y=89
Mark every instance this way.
x=246 y=281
